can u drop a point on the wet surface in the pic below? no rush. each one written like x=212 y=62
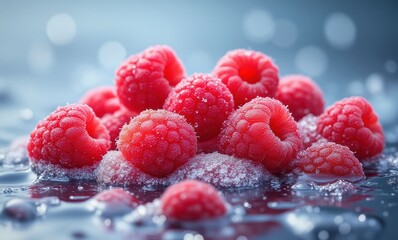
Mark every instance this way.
x=32 y=208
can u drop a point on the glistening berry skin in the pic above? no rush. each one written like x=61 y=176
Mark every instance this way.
x=145 y=80
x=70 y=137
x=192 y=200
x=301 y=95
x=352 y=122
x=262 y=130
x=204 y=101
x=158 y=142
x=247 y=74
x=330 y=161
x=102 y=100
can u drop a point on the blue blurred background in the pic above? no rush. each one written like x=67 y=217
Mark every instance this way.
x=51 y=52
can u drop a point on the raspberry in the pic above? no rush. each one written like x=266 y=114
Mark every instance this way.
x=353 y=123
x=204 y=101
x=247 y=74
x=330 y=161
x=71 y=137
x=262 y=130
x=307 y=129
x=115 y=201
x=114 y=123
x=191 y=200
x=158 y=142
x=102 y=100
x=301 y=95
x=145 y=80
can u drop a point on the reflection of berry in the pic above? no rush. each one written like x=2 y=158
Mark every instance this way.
x=158 y=142
x=331 y=161
x=204 y=101
x=114 y=201
x=114 y=123
x=247 y=74
x=144 y=80
x=261 y=130
x=192 y=200
x=71 y=137
x=102 y=100
x=301 y=95
x=353 y=123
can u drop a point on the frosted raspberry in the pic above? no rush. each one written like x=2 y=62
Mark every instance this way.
x=113 y=202
x=102 y=100
x=204 y=101
x=71 y=137
x=262 y=130
x=301 y=95
x=330 y=161
x=192 y=200
x=145 y=80
x=353 y=123
x=158 y=142
x=247 y=74
x=114 y=123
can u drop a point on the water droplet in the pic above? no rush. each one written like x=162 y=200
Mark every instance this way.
x=61 y=29
x=362 y=218
x=20 y=209
x=7 y=191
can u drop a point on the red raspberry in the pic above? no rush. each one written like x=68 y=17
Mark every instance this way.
x=102 y=100
x=114 y=123
x=158 y=142
x=247 y=74
x=330 y=161
x=204 y=101
x=262 y=130
x=301 y=95
x=191 y=200
x=71 y=137
x=353 y=123
x=114 y=201
x=145 y=80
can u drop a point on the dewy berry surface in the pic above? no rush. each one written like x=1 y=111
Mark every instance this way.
x=192 y=200
x=158 y=142
x=145 y=79
x=301 y=95
x=204 y=101
x=262 y=130
x=352 y=122
x=248 y=74
x=70 y=137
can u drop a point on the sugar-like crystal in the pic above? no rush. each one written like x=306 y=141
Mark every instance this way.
x=222 y=171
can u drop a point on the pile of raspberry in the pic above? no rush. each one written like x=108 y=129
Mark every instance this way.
x=158 y=119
